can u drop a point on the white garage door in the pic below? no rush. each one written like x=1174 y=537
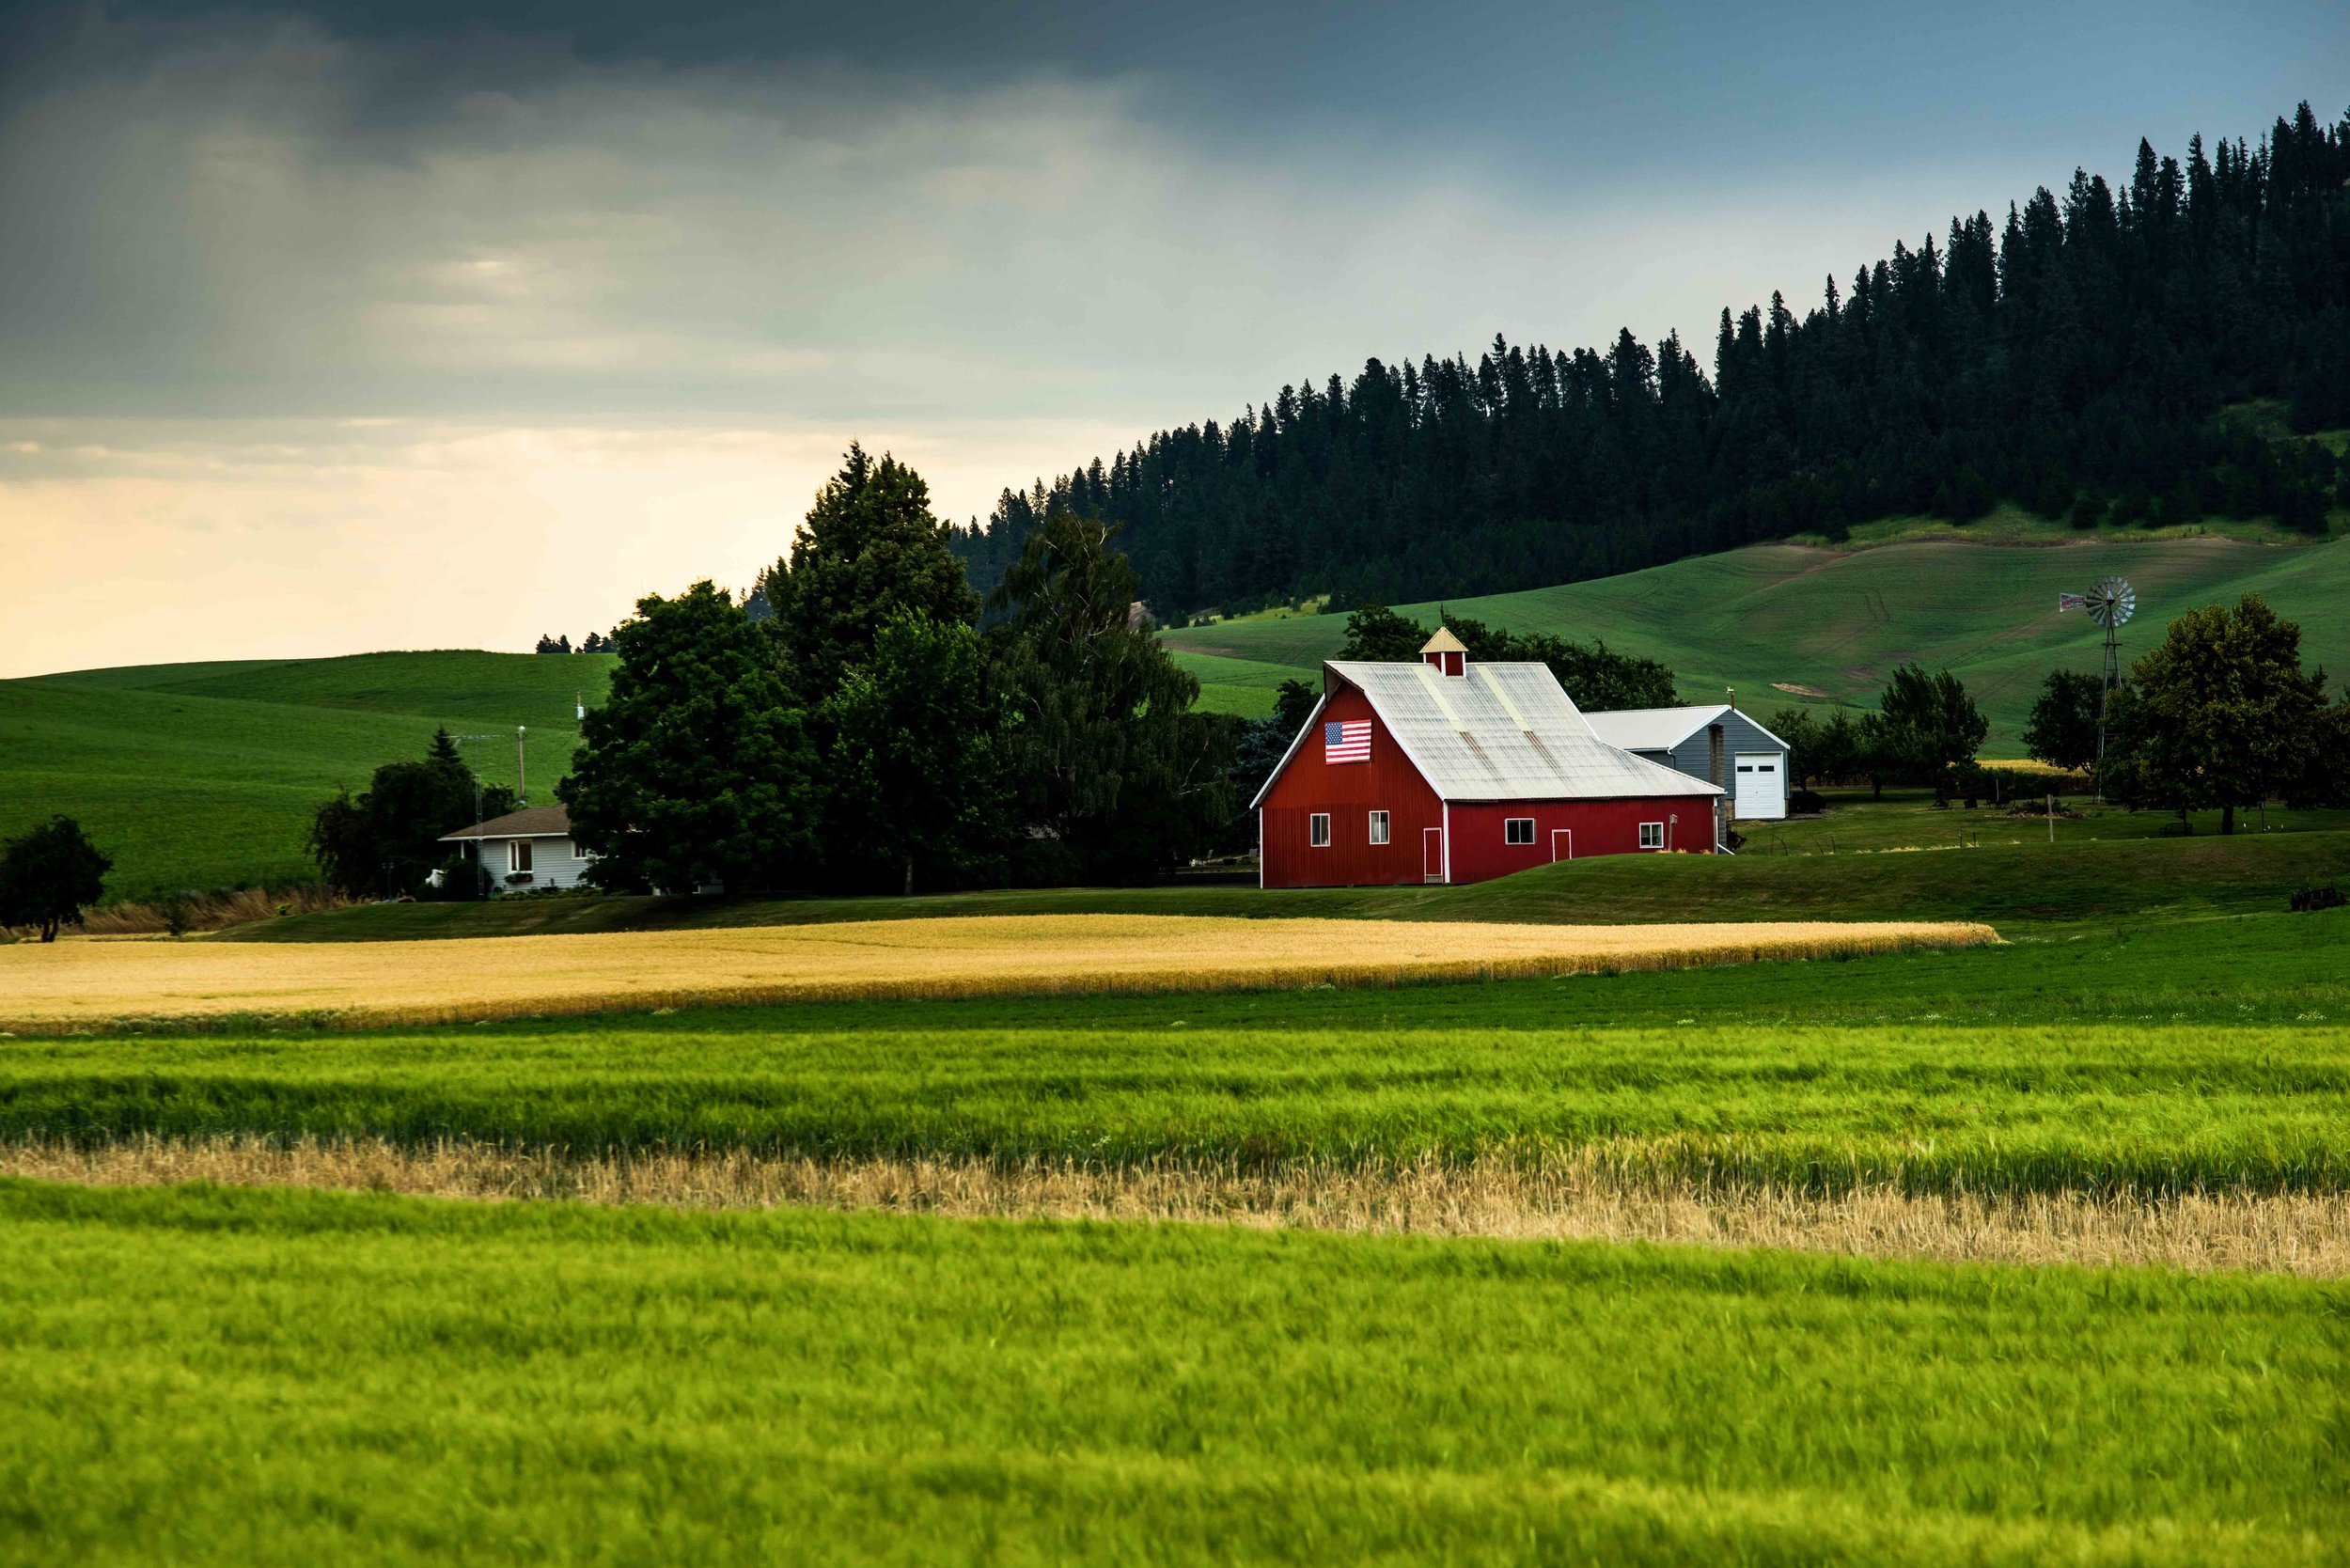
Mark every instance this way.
x=1761 y=785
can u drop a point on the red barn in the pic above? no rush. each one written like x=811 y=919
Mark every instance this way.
x=1451 y=771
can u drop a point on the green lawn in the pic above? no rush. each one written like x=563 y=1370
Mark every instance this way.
x=1907 y=819
x=2011 y=877
x=198 y=776
x=2175 y=1056
x=1839 y=619
x=209 y=1376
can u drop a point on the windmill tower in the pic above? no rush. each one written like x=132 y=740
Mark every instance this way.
x=2110 y=601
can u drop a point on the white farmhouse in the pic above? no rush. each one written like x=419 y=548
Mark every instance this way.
x=525 y=850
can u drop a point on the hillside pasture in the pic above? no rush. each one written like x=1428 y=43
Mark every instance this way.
x=200 y=777
x=94 y=980
x=203 y=777
x=1764 y=618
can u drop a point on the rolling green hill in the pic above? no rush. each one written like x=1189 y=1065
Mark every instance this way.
x=1776 y=621
x=203 y=776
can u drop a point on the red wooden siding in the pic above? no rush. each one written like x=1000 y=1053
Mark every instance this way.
x=1481 y=850
x=1349 y=791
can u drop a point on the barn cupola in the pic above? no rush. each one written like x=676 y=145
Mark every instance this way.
x=1445 y=652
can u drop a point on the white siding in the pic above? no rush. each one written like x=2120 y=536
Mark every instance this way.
x=1695 y=757
x=553 y=863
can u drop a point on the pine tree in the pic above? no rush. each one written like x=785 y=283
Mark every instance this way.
x=870 y=548
x=1114 y=776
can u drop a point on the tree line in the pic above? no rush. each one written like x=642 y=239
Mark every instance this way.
x=849 y=726
x=2220 y=716
x=862 y=731
x=2071 y=358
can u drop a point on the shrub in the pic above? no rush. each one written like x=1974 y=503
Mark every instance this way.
x=1806 y=802
x=2307 y=901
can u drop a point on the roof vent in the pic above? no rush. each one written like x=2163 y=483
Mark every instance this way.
x=1445 y=652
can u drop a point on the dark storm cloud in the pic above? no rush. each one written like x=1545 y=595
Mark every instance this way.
x=299 y=304
x=253 y=214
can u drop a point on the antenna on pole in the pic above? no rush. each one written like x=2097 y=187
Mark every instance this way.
x=521 y=780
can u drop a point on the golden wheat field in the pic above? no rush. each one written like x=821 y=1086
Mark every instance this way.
x=80 y=982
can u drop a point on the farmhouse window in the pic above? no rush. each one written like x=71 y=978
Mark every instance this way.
x=518 y=854
x=1517 y=830
x=1651 y=835
x=1378 y=827
x=1318 y=830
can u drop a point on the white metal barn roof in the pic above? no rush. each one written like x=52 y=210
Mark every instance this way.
x=1503 y=733
x=1658 y=728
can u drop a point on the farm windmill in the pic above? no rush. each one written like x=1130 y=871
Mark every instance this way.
x=2110 y=601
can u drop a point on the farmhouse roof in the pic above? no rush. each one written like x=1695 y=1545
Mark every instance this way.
x=1660 y=728
x=1501 y=732
x=531 y=821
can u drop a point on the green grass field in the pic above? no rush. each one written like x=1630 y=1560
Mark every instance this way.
x=1844 y=866
x=278 y=1378
x=197 y=776
x=203 y=1374
x=1837 y=620
x=2181 y=1054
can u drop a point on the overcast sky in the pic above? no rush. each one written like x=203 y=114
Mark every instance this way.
x=320 y=333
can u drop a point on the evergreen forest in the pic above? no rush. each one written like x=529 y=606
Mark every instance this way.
x=2075 y=359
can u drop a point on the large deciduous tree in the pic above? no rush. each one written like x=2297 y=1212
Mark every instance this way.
x=2220 y=714
x=870 y=548
x=1262 y=745
x=387 y=840
x=49 y=876
x=1826 y=751
x=697 y=769
x=1924 y=724
x=915 y=775
x=2063 y=729
x=1114 y=776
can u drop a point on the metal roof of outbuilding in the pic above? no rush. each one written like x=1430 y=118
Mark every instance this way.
x=1497 y=731
x=1660 y=728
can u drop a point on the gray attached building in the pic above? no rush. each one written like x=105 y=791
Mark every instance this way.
x=1716 y=742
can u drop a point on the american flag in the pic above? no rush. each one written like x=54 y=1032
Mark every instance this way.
x=1347 y=742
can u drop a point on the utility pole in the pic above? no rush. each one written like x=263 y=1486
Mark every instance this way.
x=521 y=780
x=461 y=740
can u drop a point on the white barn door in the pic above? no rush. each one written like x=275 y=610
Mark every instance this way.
x=1762 y=789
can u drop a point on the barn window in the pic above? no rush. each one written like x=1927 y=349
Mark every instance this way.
x=1517 y=830
x=1651 y=835
x=1318 y=830
x=1378 y=827
x=518 y=854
